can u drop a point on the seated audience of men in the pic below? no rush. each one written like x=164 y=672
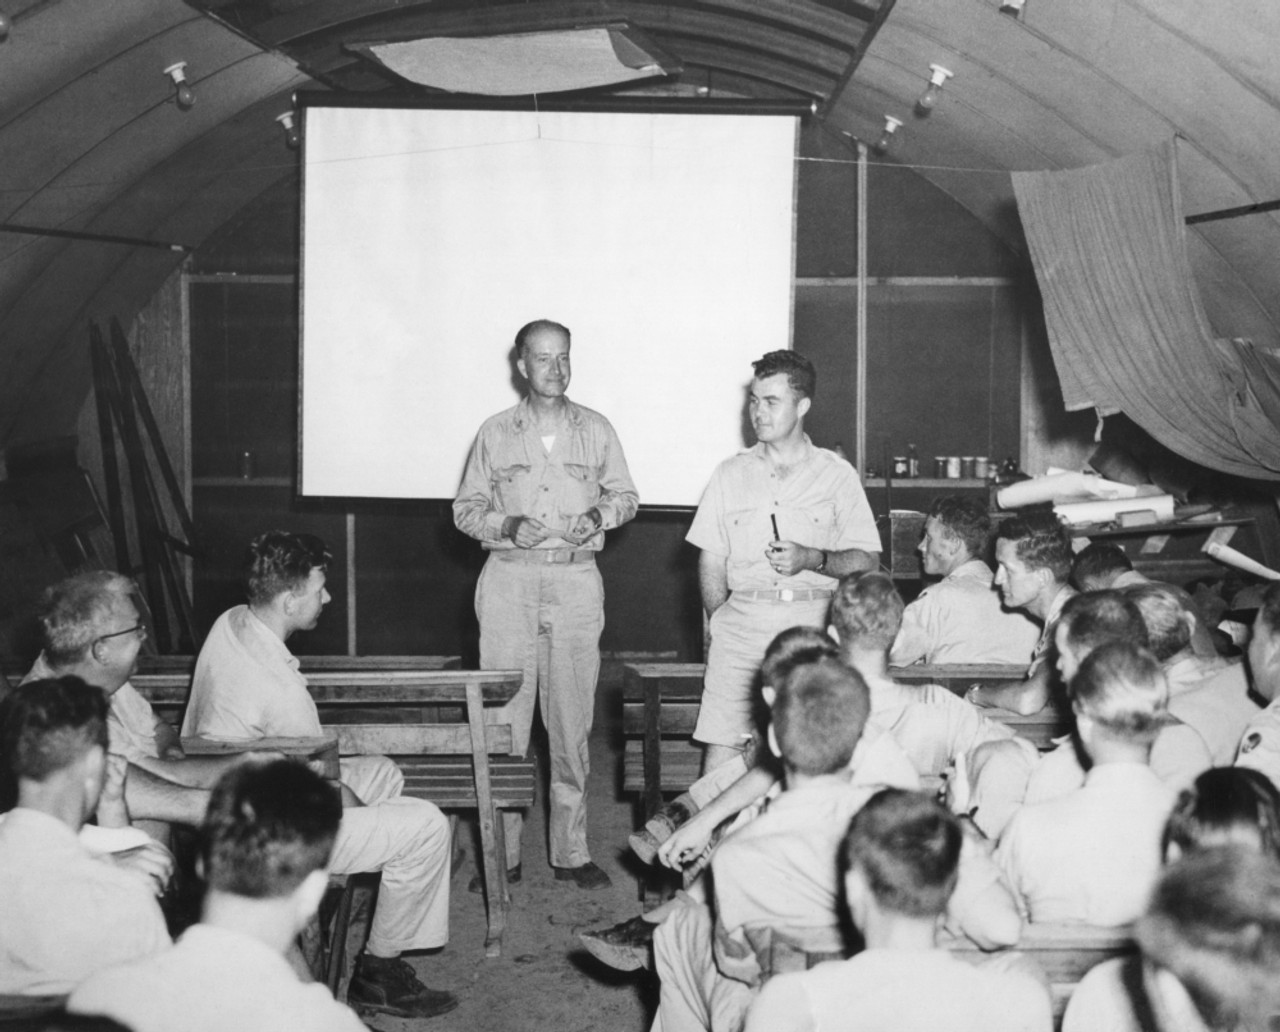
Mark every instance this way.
x=247 y=685
x=265 y=846
x=1211 y=696
x=899 y=861
x=960 y=619
x=1260 y=743
x=1091 y=857
x=64 y=912
x=929 y=722
x=1003 y=779
x=1033 y=560
x=775 y=877
x=715 y=805
x=91 y=628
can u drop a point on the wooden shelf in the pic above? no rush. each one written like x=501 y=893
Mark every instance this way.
x=932 y=482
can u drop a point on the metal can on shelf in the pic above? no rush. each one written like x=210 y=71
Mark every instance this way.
x=981 y=467
x=967 y=467
x=939 y=467
x=899 y=465
x=953 y=467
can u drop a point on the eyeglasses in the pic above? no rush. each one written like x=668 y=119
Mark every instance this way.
x=139 y=629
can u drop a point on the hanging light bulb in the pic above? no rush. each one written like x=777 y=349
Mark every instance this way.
x=891 y=126
x=184 y=95
x=292 y=136
x=929 y=98
x=1012 y=7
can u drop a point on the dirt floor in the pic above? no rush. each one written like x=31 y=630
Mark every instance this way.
x=544 y=978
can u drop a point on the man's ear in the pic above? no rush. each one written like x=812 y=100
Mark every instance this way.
x=803 y=406
x=520 y=365
x=770 y=695
x=773 y=742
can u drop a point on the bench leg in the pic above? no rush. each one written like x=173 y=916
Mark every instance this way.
x=497 y=894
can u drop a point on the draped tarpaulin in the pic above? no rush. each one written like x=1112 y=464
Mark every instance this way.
x=1125 y=323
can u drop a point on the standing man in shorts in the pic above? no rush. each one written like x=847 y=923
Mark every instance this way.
x=778 y=525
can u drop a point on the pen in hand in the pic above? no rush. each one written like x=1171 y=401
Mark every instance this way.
x=773 y=518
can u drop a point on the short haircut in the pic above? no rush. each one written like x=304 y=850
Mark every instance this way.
x=1270 y=608
x=1213 y=922
x=819 y=715
x=1093 y=618
x=867 y=610
x=908 y=847
x=799 y=371
x=1099 y=559
x=1226 y=806
x=1164 y=610
x=1040 y=542
x=279 y=561
x=74 y=613
x=1121 y=686
x=530 y=328
x=792 y=647
x=966 y=519
x=268 y=826
x=46 y=726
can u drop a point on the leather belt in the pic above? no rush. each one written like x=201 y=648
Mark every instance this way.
x=786 y=595
x=546 y=555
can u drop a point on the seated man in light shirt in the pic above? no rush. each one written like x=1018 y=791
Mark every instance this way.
x=91 y=628
x=959 y=619
x=265 y=844
x=247 y=685
x=64 y=913
x=1091 y=857
x=899 y=861
x=1260 y=743
x=1209 y=695
x=1033 y=562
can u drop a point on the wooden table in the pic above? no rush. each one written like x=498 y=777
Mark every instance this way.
x=395 y=689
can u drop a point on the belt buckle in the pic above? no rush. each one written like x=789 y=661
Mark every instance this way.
x=787 y=595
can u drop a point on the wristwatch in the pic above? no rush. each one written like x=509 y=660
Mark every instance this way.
x=822 y=564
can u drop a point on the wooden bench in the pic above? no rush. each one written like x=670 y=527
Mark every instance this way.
x=1065 y=953
x=660 y=710
x=441 y=758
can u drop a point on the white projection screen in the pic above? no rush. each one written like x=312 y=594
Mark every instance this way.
x=430 y=235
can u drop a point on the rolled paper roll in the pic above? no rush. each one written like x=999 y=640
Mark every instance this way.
x=1228 y=555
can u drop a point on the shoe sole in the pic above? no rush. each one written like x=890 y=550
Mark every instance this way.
x=620 y=958
x=397 y=1012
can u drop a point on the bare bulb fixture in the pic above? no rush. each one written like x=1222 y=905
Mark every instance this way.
x=1012 y=7
x=292 y=137
x=929 y=98
x=891 y=126
x=184 y=95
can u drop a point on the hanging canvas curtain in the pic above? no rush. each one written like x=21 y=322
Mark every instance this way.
x=1125 y=323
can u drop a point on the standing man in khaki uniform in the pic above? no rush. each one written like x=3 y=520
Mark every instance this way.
x=544 y=481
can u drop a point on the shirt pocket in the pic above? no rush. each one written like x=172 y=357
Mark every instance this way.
x=749 y=533
x=581 y=488
x=813 y=525
x=509 y=487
